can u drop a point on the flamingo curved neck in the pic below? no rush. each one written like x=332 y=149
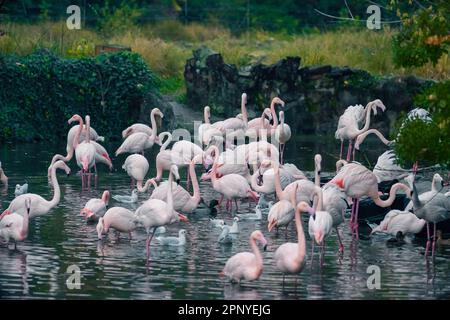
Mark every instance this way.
x=76 y=140
x=196 y=190
x=278 y=188
x=146 y=185
x=377 y=133
x=255 y=186
x=206 y=115
x=318 y=194
x=256 y=252
x=56 y=190
x=244 y=112
x=300 y=235
x=153 y=122
x=167 y=142
x=274 y=114
x=392 y=194
x=366 y=124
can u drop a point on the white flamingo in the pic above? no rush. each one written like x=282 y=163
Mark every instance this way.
x=282 y=135
x=95 y=208
x=15 y=226
x=140 y=127
x=137 y=166
x=39 y=206
x=397 y=220
x=118 y=218
x=85 y=154
x=246 y=265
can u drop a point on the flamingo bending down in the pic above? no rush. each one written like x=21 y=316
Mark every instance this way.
x=137 y=166
x=319 y=225
x=95 y=208
x=182 y=201
x=290 y=257
x=357 y=181
x=432 y=206
x=15 y=226
x=118 y=218
x=348 y=124
x=3 y=177
x=71 y=135
x=282 y=212
x=282 y=135
x=232 y=186
x=85 y=154
x=246 y=265
x=39 y=206
x=139 y=141
x=403 y=221
x=360 y=139
x=155 y=213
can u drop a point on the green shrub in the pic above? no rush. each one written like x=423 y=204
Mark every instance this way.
x=39 y=92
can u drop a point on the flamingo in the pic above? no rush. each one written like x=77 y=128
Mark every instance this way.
x=137 y=166
x=118 y=218
x=3 y=177
x=229 y=161
x=173 y=241
x=360 y=139
x=357 y=181
x=320 y=224
x=155 y=213
x=140 y=127
x=282 y=135
x=348 y=124
x=433 y=207
x=231 y=187
x=246 y=265
x=235 y=125
x=182 y=201
x=84 y=153
x=256 y=152
x=207 y=131
x=15 y=226
x=71 y=135
x=139 y=141
x=258 y=127
x=95 y=208
x=397 y=220
x=289 y=258
x=282 y=212
x=39 y=206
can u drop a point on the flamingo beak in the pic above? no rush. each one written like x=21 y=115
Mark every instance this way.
x=183 y=217
x=271 y=225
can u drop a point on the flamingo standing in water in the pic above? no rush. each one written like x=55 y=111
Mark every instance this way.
x=432 y=206
x=182 y=201
x=137 y=166
x=15 y=226
x=231 y=187
x=246 y=265
x=85 y=154
x=289 y=258
x=282 y=135
x=39 y=206
x=348 y=124
x=258 y=127
x=155 y=213
x=95 y=208
x=139 y=141
x=3 y=177
x=236 y=125
x=71 y=135
x=357 y=181
x=118 y=218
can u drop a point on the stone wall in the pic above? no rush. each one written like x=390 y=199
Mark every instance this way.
x=315 y=96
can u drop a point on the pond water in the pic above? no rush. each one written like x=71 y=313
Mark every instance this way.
x=113 y=269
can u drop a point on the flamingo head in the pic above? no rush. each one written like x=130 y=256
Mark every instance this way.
x=318 y=163
x=244 y=98
x=206 y=176
x=182 y=217
x=318 y=236
x=86 y=212
x=277 y=100
x=75 y=117
x=85 y=163
x=108 y=160
x=258 y=236
x=272 y=223
x=105 y=197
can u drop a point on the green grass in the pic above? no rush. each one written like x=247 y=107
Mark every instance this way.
x=167 y=45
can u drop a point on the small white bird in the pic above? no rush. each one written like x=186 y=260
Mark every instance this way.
x=21 y=189
x=235 y=227
x=173 y=241
x=217 y=223
x=127 y=199
x=225 y=237
x=252 y=216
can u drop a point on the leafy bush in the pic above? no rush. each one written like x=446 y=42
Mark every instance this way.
x=41 y=91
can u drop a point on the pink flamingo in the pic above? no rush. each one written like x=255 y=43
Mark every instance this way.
x=3 y=177
x=348 y=124
x=182 y=201
x=39 y=206
x=85 y=154
x=137 y=166
x=169 y=160
x=289 y=258
x=95 y=208
x=231 y=187
x=70 y=148
x=118 y=218
x=236 y=124
x=208 y=130
x=155 y=213
x=14 y=225
x=140 y=127
x=246 y=265
x=282 y=135
x=139 y=141
x=257 y=127
x=357 y=181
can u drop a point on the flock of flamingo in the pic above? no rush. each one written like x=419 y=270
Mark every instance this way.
x=254 y=170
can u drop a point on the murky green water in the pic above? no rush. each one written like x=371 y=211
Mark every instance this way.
x=117 y=269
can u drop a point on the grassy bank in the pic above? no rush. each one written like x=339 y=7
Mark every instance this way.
x=166 y=46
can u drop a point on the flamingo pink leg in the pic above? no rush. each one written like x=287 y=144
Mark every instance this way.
x=312 y=251
x=221 y=199
x=356 y=225
x=349 y=150
x=342 y=149
x=237 y=207
x=433 y=248
x=341 y=246
x=427 y=247
x=149 y=240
